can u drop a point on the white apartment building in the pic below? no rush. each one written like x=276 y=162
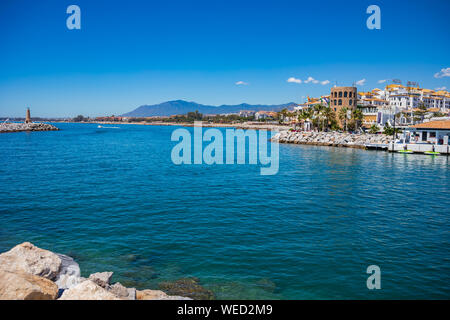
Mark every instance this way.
x=406 y=98
x=379 y=106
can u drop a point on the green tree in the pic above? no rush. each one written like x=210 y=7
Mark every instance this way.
x=283 y=114
x=329 y=117
x=419 y=114
x=318 y=117
x=79 y=118
x=388 y=130
x=343 y=116
x=194 y=116
x=357 y=117
x=374 y=129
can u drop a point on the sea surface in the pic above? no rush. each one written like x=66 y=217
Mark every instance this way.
x=113 y=199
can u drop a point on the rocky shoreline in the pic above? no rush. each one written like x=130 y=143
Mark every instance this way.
x=31 y=273
x=18 y=127
x=332 y=139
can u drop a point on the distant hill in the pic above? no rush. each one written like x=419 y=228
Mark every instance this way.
x=171 y=108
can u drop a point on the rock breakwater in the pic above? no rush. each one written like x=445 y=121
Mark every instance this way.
x=334 y=139
x=31 y=273
x=17 y=127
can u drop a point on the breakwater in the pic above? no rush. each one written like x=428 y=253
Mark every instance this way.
x=17 y=127
x=333 y=139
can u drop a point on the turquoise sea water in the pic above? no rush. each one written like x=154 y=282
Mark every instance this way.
x=113 y=200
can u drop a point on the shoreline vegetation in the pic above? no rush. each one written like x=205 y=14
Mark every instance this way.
x=31 y=273
x=244 y=125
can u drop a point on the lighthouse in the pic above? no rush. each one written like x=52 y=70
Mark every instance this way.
x=28 y=118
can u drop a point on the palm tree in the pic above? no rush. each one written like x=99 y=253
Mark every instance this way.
x=305 y=114
x=358 y=117
x=343 y=116
x=282 y=115
x=328 y=115
x=374 y=129
x=318 y=113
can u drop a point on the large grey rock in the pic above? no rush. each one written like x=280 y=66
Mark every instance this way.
x=87 y=290
x=69 y=274
x=157 y=295
x=25 y=286
x=101 y=278
x=121 y=292
x=27 y=258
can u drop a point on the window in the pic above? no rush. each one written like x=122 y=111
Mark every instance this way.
x=350 y=102
x=335 y=94
x=345 y=94
x=340 y=102
x=335 y=102
x=340 y=94
x=350 y=94
x=424 y=136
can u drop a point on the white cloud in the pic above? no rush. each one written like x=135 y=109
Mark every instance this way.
x=382 y=81
x=311 y=79
x=241 y=83
x=441 y=88
x=445 y=72
x=294 y=80
x=361 y=82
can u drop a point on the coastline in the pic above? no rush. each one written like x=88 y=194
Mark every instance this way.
x=31 y=273
x=262 y=126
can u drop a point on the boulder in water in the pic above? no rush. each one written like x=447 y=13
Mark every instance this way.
x=187 y=287
x=25 y=286
x=27 y=258
x=87 y=290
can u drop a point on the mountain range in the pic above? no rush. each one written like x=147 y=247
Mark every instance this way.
x=178 y=107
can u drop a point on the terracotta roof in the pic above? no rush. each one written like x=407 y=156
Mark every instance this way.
x=440 y=124
x=394 y=86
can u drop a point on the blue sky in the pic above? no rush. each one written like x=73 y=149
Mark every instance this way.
x=130 y=53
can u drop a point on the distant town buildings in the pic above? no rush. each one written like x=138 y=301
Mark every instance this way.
x=408 y=105
x=260 y=115
x=109 y=119
x=247 y=113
